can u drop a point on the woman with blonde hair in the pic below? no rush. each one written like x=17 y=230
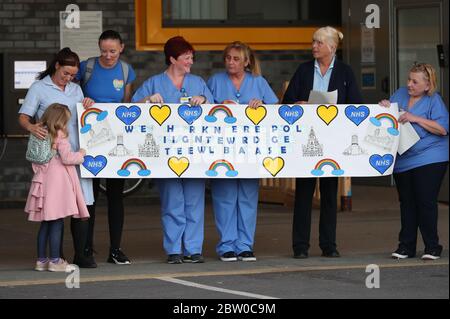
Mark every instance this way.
x=235 y=201
x=324 y=73
x=419 y=172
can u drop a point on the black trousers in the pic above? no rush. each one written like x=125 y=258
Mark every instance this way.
x=418 y=191
x=301 y=228
x=114 y=195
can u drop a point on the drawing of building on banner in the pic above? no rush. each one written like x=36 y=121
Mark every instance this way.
x=313 y=147
x=120 y=149
x=149 y=148
x=99 y=133
x=379 y=137
x=354 y=148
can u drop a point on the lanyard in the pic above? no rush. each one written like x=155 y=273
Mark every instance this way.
x=238 y=95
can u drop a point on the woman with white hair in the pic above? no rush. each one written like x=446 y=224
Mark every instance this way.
x=324 y=73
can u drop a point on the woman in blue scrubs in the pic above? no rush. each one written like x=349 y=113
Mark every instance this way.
x=419 y=172
x=182 y=200
x=235 y=201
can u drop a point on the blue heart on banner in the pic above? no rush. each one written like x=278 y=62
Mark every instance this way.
x=381 y=163
x=290 y=114
x=94 y=164
x=128 y=114
x=189 y=113
x=357 y=114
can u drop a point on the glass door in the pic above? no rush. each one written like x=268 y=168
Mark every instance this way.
x=418 y=32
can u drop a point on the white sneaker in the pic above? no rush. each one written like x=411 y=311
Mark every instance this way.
x=41 y=266
x=59 y=266
x=430 y=257
x=229 y=256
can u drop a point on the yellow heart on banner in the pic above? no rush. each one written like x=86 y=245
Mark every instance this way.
x=178 y=165
x=160 y=113
x=256 y=115
x=327 y=113
x=273 y=165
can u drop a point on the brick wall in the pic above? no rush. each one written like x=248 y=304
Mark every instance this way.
x=32 y=26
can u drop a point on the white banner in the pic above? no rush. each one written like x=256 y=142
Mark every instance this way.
x=235 y=141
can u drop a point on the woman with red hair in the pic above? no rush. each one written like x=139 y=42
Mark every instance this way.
x=182 y=200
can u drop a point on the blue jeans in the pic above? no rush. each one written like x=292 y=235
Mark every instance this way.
x=51 y=232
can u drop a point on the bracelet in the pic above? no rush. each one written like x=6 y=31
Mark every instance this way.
x=205 y=99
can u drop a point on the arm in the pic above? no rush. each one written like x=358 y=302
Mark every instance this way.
x=65 y=152
x=429 y=125
x=291 y=94
x=128 y=92
x=144 y=94
x=36 y=129
x=127 y=95
x=353 y=93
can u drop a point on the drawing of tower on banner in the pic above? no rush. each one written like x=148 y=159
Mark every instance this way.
x=120 y=149
x=354 y=148
x=149 y=148
x=313 y=148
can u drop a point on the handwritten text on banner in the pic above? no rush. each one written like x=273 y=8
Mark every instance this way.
x=235 y=141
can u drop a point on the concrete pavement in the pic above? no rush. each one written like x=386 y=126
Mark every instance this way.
x=367 y=235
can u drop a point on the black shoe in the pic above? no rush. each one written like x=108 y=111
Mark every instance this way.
x=175 y=259
x=301 y=255
x=331 y=254
x=195 y=259
x=247 y=256
x=402 y=253
x=229 y=256
x=432 y=254
x=116 y=256
x=84 y=262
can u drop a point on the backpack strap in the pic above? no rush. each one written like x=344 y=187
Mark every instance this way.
x=88 y=72
x=90 y=69
x=125 y=71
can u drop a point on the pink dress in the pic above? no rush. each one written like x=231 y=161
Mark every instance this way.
x=55 y=190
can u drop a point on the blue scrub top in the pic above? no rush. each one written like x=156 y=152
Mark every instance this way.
x=44 y=92
x=253 y=87
x=161 y=83
x=431 y=148
x=106 y=85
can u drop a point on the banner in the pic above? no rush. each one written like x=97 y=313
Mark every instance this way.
x=235 y=141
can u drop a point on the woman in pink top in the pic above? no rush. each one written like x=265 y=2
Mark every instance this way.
x=55 y=190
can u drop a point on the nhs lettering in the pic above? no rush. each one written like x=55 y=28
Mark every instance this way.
x=357 y=114
x=128 y=114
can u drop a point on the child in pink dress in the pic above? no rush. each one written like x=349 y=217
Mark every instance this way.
x=55 y=190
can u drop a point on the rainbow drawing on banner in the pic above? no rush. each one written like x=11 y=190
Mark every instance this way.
x=212 y=171
x=100 y=116
x=388 y=117
x=318 y=169
x=211 y=117
x=124 y=171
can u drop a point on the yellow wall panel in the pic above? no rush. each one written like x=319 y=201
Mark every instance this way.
x=150 y=35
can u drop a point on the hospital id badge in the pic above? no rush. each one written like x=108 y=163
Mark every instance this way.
x=185 y=99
